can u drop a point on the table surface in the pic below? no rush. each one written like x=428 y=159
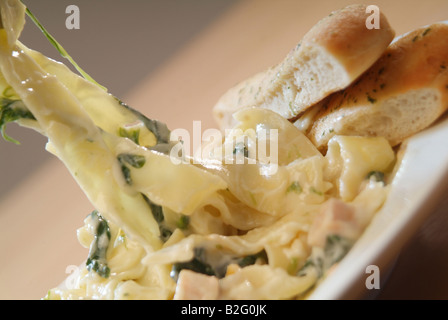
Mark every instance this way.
x=39 y=218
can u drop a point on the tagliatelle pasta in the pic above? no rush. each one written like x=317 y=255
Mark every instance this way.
x=267 y=228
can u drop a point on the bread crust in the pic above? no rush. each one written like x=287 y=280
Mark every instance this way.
x=405 y=91
x=344 y=34
x=340 y=45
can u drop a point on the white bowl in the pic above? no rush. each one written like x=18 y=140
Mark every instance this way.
x=418 y=187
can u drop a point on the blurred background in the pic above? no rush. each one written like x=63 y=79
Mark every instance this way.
x=170 y=59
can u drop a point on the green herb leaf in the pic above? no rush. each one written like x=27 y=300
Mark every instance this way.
x=61 y=49
x=370 y=99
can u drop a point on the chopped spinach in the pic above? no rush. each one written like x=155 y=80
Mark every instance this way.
x=378 y=176
x=315 y=263
x=294 y=187
x=157 y=212
x=134 y=160
x=132 y=134
x=251 y=259
x=214 y=263
x=241 y=147
x=159 y=129
x=10 y=111
x=183 y=222
x=97 y=260
x=197 y=264
x=336 y=247
x=126 y=174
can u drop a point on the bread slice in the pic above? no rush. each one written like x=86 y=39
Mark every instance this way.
x=330 y=56
x=405 y=91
